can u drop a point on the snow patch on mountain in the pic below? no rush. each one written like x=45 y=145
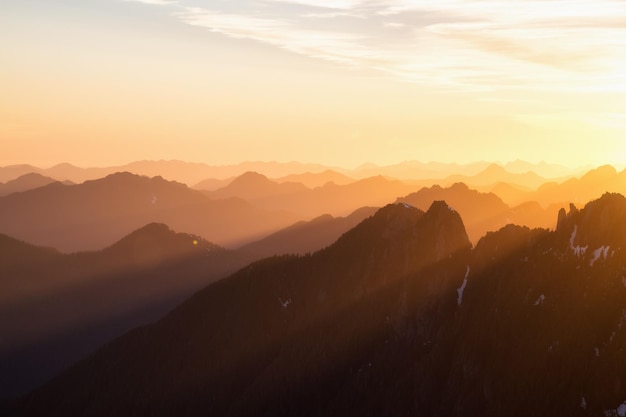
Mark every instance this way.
x=602 y=251
x=619 y=411
x=540 y=300
x=461 y=289
x=578 y=250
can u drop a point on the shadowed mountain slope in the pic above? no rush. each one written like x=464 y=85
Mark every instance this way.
x=96 y=213
x=56 y=308
x=398 y=317
x=236 y=336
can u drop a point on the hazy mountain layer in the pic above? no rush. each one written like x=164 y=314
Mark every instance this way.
x=94 y=214
x=337 y=200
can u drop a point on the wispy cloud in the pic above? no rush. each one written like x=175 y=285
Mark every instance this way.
x=324 y=4
x=156 y=2
x=464 y=44
x=333 y=46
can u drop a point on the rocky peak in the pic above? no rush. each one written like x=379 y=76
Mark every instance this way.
x=444 y=226
x=601 y=222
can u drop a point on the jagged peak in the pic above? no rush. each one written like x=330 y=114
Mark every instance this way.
x=438 y=233
x=600 y=222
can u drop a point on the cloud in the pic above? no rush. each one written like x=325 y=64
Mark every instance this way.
x=393 y=25
x=332 y=46
x=462 y=44
x=324 y=4
x=156 y=2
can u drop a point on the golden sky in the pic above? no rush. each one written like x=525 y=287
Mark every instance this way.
x=341 y=82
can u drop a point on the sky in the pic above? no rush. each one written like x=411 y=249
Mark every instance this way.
x=338 y=82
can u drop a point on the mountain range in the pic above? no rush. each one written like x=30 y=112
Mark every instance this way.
x=95 y=214
x=484 y=212
x=338 y=200
x=193 y=173
x=26 y=182
x=401 y=316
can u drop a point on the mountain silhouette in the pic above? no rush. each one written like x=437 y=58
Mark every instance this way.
x=212 y=184
x=252 y=186
x=511 y=194
x=228 y=333
x=306 y=236
x=24 y=183
x=317 y=179
x=56 y=308
x=11 y=172
x=186 y=172
x=333 y=199
x=495 y=173
x=94 y=214
x=580 y=190
x=483 y=212
x=398 y=317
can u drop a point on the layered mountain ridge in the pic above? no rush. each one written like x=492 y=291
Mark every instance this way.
x=96 y=213
x=398 y=317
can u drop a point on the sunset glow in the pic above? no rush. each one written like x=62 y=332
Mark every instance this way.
x=338 y=82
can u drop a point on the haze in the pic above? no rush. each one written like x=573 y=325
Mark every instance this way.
x=107 y=82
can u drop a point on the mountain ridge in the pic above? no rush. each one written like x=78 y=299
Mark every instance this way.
x=96 y=213
x=375 y=325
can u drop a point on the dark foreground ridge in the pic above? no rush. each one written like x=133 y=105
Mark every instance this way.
x=399 y=317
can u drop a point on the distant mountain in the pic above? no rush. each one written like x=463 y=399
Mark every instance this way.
x=399 y=317
x=337 y=200
x=306 y=237
x=253 y=186
x=495 y=173
x=483 y=212
x=511 y=194
x=579 y=190
x=544 y=169
x=24 y=183
x=318 y=179
x=416 y=170
x=95 y=214
x=311 y=175
x=212 y=184
x=55 y=309
x=308 y=179
x=11 y=172
x=189 y=173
